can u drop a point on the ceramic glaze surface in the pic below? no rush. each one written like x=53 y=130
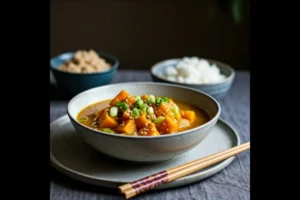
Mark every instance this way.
x=72 y=156
x=145 y=148
x=217 y=90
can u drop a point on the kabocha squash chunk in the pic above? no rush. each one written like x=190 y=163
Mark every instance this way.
x=149 y=130
x=142 y=121
x=172 y=103
x=174 y=113
x=175 y=110
x=189 y=115
x=130 y=100
x=178 y=116
x=144 y=97
x=99 y=113
x=125 y=115
x=128 y=127
x=105 y=121
x=168 y=125
x=120 y=97
x=162 y=110
x=103 y=113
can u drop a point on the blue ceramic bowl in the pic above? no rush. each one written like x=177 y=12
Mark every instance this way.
x=216 y=90
x=74 y=83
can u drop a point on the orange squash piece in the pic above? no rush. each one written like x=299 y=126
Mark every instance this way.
x=172 y=103
x=128 y=127
x=149 y=130
x=144 y=97
x=189 y=115
x=142 y=121
x=106 y=121
x=126 y=115
x=162 y=110
x=120 y=97
x=176 y=116
x=99 y=113
x=130 y=100
x=173 y=106
x=168 y=125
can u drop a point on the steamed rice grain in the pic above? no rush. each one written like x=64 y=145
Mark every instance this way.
x=193 y=71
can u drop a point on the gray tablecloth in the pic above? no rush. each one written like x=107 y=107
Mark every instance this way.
x=231 y=183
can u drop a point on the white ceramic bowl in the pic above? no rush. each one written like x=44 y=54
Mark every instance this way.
x=144 y=148
x=216 y=90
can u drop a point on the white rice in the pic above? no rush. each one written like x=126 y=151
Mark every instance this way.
x=193 y=70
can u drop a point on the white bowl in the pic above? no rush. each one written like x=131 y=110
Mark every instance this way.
x=144 y=148
x=216 y=90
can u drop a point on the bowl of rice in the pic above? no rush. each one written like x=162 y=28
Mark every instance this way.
x=210 y=76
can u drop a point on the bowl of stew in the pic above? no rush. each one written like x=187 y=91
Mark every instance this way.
x=143 y=121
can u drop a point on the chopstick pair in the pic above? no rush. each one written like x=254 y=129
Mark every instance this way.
x=142 y=185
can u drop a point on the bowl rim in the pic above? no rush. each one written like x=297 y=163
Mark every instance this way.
x=224 y=65
x=98 y=132
x=100 y=53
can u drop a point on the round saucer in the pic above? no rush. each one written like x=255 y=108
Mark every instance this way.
x=70 y=155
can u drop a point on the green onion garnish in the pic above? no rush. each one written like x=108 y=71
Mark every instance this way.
x=107 y=130
x=83 y=119
x=113 y=111
x=158 y=101
x=150 y=110
x=151 y=99
x=165 y=99
x=175 y=110
x=159 y=120
x=144 y=108
x=139 y=102
x=135 y=112
x=122 y=105
x=125 y=107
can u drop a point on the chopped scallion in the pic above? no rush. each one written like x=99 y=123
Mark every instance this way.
x=139 y=103
x=158 y=101
x=120 y=104
x=151 y=99
x=166 y=99
x=125 y=107
x=83 y=119
x=159 y=120
x=175 y=110
x=113 y=111
x=107 y=130
x=150 y=110
x=135 y=112
x=144 y=108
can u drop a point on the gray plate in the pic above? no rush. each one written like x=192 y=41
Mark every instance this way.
x=70 y=155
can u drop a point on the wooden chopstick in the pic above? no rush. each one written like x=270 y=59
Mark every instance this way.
x=139 y=186
x=188 y=164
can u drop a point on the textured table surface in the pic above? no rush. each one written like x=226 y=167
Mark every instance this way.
x=231 y=183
